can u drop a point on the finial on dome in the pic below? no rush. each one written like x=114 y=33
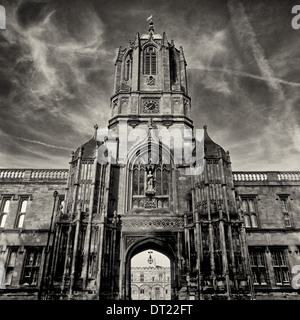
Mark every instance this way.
x=205 y=127
x=151 y=28
x=95 y=132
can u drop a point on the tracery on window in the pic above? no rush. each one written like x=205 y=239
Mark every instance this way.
x=249 y=210
x=150 y=61
x=151 y=186
x=21 y=212
x=258 y=266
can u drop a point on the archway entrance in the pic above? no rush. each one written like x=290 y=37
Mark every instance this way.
x=150 y=271
x=150 y=276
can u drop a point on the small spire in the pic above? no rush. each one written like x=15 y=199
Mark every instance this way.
x=95 y=132
x=151 y=28
x=137 y=39
x=205 y=127
x=165 y=40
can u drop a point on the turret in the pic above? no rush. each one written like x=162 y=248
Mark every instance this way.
x=150 y=67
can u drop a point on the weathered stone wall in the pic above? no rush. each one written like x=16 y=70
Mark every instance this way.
x=38 y=186
x=271 y=232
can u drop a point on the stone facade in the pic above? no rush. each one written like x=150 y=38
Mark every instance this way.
x=277 y=203
x=71 y=234
x=20 y=240
x=150 y=283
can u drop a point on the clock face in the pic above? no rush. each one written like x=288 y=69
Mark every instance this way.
x=150 y=106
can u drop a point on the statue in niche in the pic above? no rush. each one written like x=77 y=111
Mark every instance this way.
x=150 y=183
x=150 y=179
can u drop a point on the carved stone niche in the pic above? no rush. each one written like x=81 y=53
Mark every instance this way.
x=167 y=120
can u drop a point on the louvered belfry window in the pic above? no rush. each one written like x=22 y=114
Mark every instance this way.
x=150 y=63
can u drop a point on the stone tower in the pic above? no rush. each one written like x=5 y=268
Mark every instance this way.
x=135 y=189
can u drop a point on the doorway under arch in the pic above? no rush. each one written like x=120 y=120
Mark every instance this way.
x=150 y=244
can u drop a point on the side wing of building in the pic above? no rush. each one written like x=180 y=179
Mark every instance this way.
x=30 y=200
x=270 y=203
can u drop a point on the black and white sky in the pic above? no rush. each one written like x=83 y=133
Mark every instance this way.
x=57 y=67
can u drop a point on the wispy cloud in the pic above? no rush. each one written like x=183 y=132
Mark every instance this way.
x=249 y=75
x=42 y=143
x=247 y=37
x=57 y=69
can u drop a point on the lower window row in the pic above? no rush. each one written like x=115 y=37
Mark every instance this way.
x=269 y=266
x=31 y=266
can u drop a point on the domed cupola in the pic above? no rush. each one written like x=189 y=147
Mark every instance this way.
x=212 y=149
x=87 y=150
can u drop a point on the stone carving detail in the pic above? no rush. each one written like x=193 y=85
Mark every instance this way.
x=124 y=105
x=115 y=103
x=170 y=240
x=154 y=224
x=176 y=105
x=151 y=81
x=96 y=217
x=167 y=121
x=150 y=203
x=199 y=185
x=134 y=121
x=186 y=105
x=176 y=100
x=134 y=105
x=132 y=239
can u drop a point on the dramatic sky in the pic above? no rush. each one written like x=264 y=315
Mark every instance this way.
x=57 y=67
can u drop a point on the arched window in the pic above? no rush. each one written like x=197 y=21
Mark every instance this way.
x=162 y=180
x=247 y=221
x=6 y=206
x=165 y=184
x=173 y=67
x=127 y=67
x=3 y=220
x=21 y=221
x=24 y=206
x=4 y=213
x=253 y=220
x=138 y=183
x=150 y=61
x=250 y=215
x=158 y=182
x=21 y=213
x=285 y=211
x=158 y=187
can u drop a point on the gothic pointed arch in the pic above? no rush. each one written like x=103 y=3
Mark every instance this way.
x=150 y=166
x=174 y=66
x=150 y=65
x=127 y=66
x=147 y=243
